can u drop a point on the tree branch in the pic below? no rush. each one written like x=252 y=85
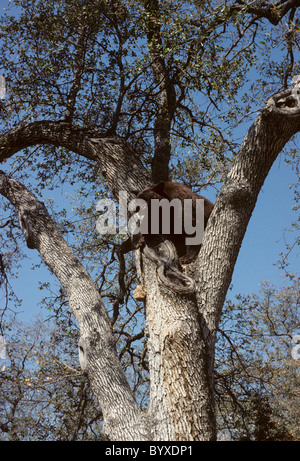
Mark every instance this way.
x=277 y=122
x=117 y=161
x=167 y=103
x=97 y=348
x=273 y=12
x=79 y=69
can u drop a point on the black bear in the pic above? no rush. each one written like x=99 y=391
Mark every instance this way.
x=170 y=190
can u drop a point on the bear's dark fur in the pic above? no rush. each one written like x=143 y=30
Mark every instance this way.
x=171 y=190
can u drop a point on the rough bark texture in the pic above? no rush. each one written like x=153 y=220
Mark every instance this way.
x=233 y=209
x=180 y=329
x=180 y=406
x=172 y=337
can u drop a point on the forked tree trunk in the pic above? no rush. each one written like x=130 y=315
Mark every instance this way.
x=181 y=330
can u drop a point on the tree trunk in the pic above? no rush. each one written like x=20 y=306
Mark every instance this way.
x=181 y=392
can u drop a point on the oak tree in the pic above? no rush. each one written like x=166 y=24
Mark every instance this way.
x=123 y=94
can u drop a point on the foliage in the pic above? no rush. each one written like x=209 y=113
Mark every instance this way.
x=90 y=62
x=40 y=371
x=257 y=377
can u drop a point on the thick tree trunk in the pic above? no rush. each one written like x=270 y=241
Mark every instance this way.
x=182 y=330
x=181 y=403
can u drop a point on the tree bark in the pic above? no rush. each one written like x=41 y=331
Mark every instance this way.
x=182 y=331
x=277 y=122
x=181 y=407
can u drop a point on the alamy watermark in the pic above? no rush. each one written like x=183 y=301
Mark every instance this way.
x=2 y=87
x=3 y=354
x=296 y=349
x=164 y=216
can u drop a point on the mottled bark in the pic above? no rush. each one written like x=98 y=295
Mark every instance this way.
x=180 y=398
x=277 y=122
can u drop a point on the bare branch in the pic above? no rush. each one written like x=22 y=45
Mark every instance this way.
x=167 y=104
x=79 y=69
x=116 y=159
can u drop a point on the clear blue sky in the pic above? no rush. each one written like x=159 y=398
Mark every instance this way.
x=265 y=237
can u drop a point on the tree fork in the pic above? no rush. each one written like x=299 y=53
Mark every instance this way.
x=181 y=330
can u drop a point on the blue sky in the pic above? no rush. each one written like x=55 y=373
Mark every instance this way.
x=265 y=237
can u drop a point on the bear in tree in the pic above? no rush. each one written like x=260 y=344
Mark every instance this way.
x=169 y=190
